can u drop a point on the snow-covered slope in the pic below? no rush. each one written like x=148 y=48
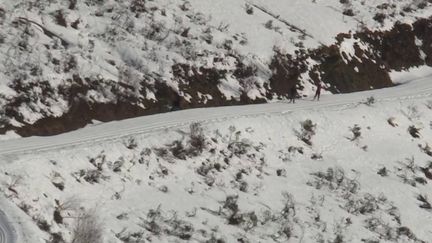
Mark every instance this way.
x=67 y=63
x=412 y=87
x=6 y=231
x=351 y=169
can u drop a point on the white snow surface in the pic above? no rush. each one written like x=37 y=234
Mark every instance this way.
x=112 y=43
x=251 y=145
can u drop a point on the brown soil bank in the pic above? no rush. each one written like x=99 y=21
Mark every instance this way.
x=376 y=53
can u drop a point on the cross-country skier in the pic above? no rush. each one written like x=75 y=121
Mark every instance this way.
x=318 y=91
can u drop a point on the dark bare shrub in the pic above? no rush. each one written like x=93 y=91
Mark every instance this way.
x=289 y=206
x=366 y=204
x=152 y=223
x=348 y=12
x=388 y=233
x=239 y=148
x=382 y=172
x=130 y=237
x=414 y=131
x=60 y=18
x=426 y=149
x=91 y=176
x=88 y=228
x=42 y=224
x=72 y=4
x=316 y=156
x=161 y=152
x=307 y=131
x=249 y=9
x=380 y=17
x=356 y=131
x=98 y=161
x=138 y=6
x=232 y=210
x=370 y=101
x=180 y=228
x=131 y=143
x=56 y=238
x=57 y=180
x=391 y=121
x=204 y=169
x=69 y=204
x=178 y=150
x=197 y=139
x=334 y=179
x=157 y=223
x=213 y=239
x=425 y=204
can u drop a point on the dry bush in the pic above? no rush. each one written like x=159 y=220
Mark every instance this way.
x=334 y=179
x=392 y=122
x=180 y=228
x=42 y=224
x=90 y=175
x=356 y=131
x=138 y=6
x=389 y=233
x=366 y=204
x=289 y=206
x=425 y=202
x=293 y=149
x=239 y=148
x=380 y=17
x=131 y=143
x=182 y=149
x=414 y=131
x=15 y=181
x=67 y=206
x=408 y=172
x=88 y=228
x=151 y=224
x=307 y=131
x=158 y=223
x=204 y=169
x=161 y=152
x=316 y=156
x=178 y=150
x=72 y=4
x=383 y=172
x=118 y=165
x=249 y=9
x=131 y=237
x=215 y=239
x=60 y=18
x=231 y=210
x=426 y=149
x=94 y=2
x=197 y=139
x=98 y=161
x=369 y=101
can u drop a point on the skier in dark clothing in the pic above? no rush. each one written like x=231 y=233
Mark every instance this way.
x=293 y=94
x=318 y=91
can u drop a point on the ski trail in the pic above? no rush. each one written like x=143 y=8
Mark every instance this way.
x=414 y=89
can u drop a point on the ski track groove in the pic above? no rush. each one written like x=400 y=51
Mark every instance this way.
x=117 y=132
x=7 y=232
